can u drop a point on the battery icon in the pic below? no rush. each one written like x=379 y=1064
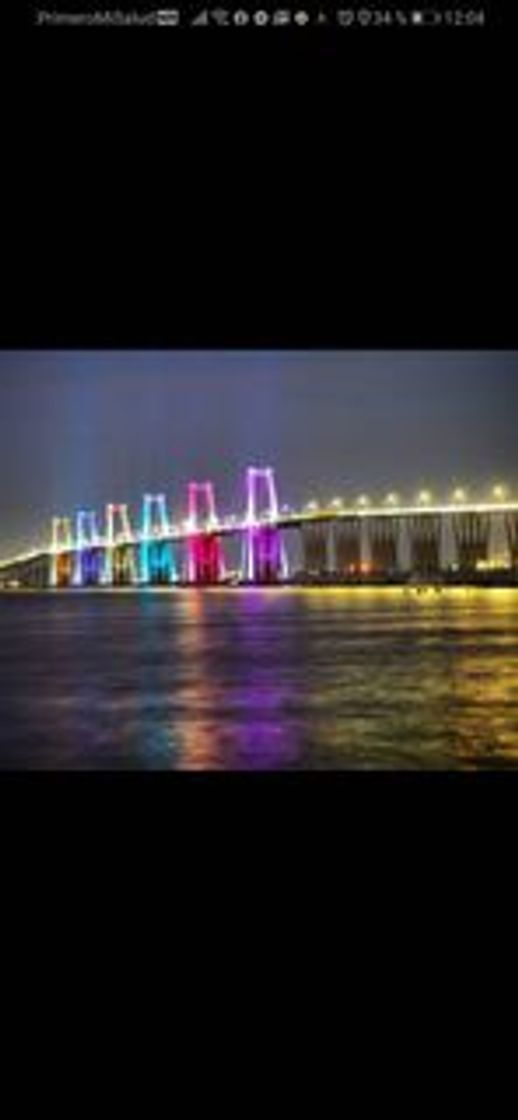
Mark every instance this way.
x=426 y=18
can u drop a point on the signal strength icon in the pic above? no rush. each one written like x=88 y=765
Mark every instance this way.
x=201 y=20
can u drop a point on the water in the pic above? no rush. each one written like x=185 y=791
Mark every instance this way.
x=259 y=679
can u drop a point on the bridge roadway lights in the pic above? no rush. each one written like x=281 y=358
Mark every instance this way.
x=425 y=543
x=471 y=535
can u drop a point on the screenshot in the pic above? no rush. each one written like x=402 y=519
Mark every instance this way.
x=259 y=389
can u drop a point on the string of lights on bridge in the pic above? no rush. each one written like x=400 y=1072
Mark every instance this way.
x=79 y=552
x=499 y=497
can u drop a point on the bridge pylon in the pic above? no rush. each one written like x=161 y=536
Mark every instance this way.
x=61 y=552
x=205 y=561
x=156 y=558
x=264 y=554
x=119 y=556
x=88 y=554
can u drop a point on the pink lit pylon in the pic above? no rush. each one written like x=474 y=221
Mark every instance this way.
x=205 y=559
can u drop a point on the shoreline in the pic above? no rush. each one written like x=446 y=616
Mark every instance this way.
x=408 y=586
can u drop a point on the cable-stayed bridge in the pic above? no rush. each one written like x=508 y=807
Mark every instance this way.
x=364 y=541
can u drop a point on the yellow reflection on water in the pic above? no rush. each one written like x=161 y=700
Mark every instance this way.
x=370 y=676
x=196 y=693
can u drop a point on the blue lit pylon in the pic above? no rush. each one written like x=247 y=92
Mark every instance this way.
x=87 y=557
x=156 y=557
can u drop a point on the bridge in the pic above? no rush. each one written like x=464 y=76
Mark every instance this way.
x=460 y=540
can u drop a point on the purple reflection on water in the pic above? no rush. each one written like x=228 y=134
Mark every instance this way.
x=269 y=737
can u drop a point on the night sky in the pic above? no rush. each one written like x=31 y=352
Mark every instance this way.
x=81 y=429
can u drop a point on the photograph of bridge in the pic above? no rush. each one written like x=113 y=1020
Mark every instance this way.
x=280 y=521
x=450 y=542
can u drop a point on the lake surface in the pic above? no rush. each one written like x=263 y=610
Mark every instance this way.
x=259 y=679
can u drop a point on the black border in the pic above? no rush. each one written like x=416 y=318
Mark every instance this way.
x=310 y=194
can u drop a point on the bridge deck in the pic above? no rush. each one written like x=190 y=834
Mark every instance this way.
x=231 y=527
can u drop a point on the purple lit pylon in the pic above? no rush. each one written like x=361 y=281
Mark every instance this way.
x=264 y=555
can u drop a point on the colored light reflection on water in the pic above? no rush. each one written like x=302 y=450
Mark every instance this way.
x=253 y=679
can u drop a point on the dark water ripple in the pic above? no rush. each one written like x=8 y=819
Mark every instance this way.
x=281 y=679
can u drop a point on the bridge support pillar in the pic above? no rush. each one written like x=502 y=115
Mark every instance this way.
x=471 y=535
x=511 y=532
x=348 y=546
x=425 y=543
x=41 y=573
x=315 y=549
x=383 y=535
